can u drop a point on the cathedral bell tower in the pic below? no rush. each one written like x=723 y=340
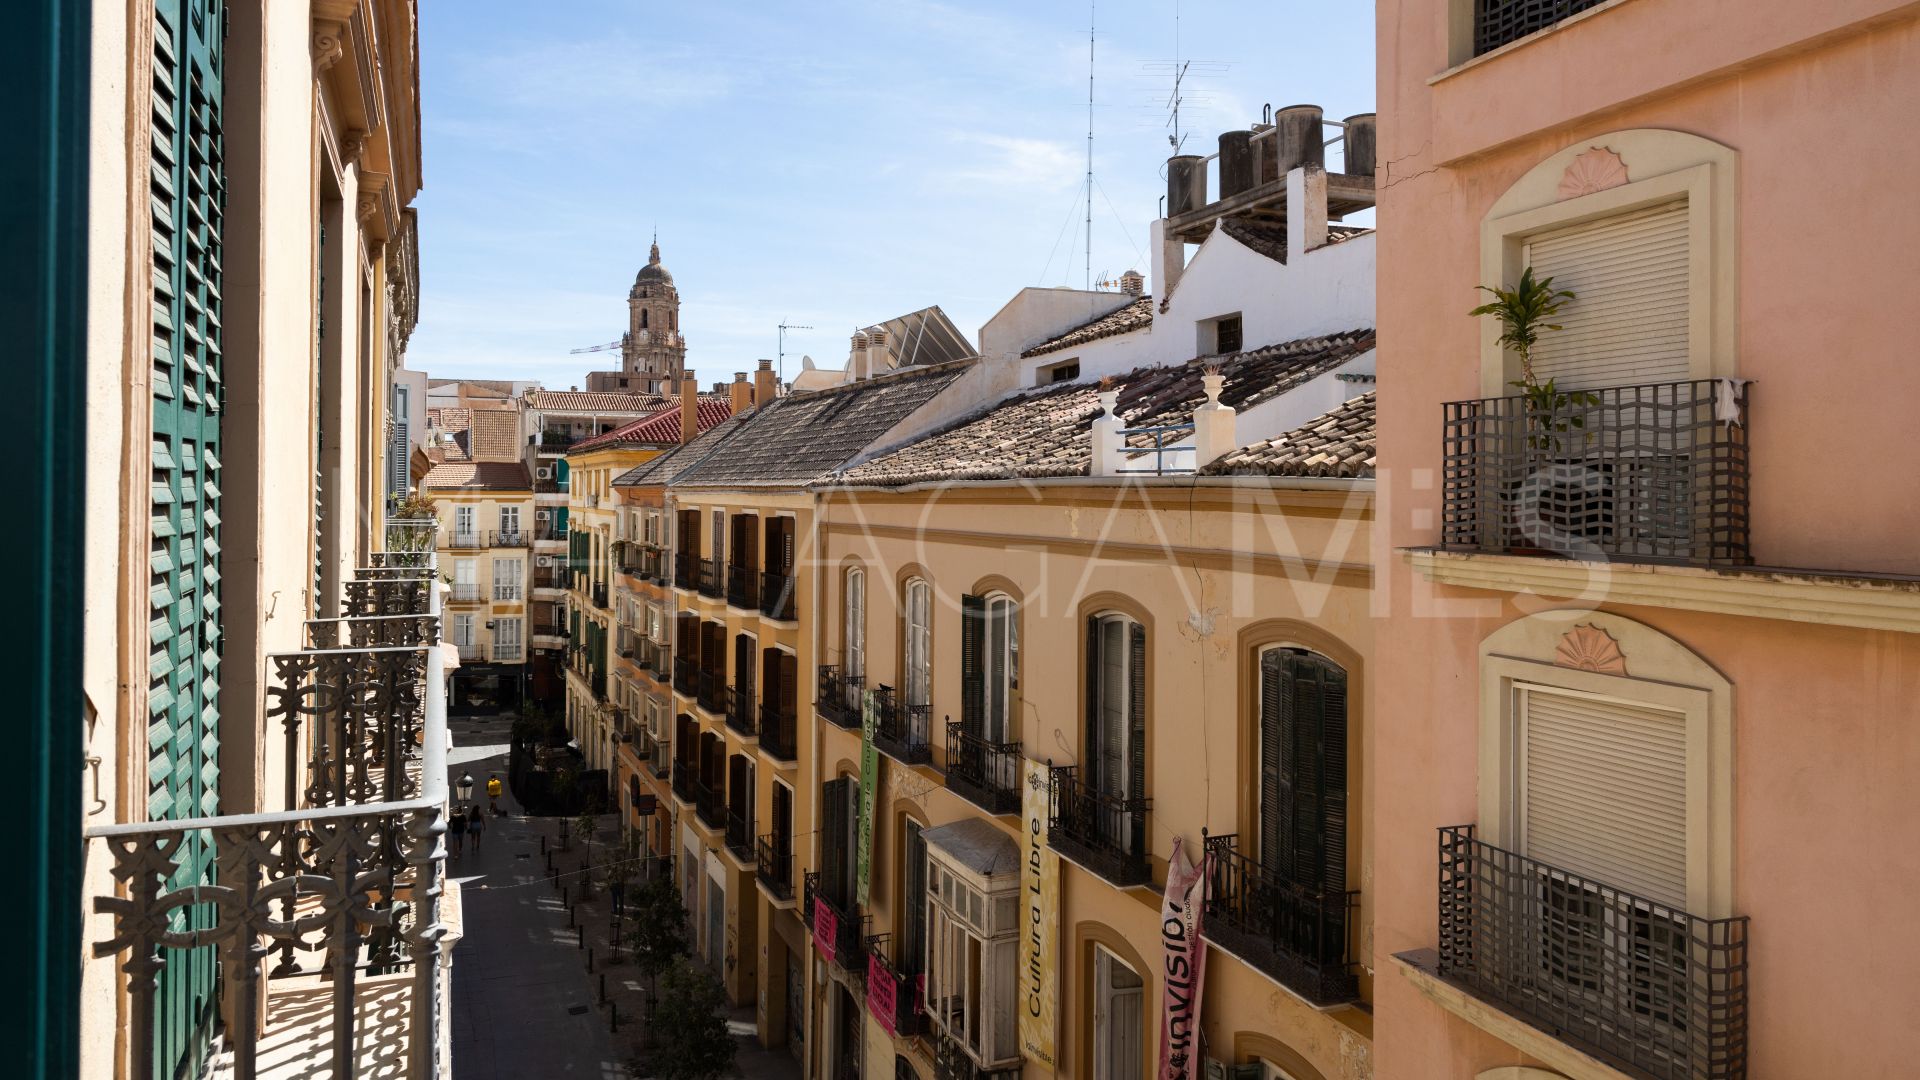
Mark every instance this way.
x=652 y=353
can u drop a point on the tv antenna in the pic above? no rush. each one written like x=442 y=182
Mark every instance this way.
x=781 y=368
x=1089 y=237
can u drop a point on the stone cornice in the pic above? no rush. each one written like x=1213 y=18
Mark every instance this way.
x=1865 y=601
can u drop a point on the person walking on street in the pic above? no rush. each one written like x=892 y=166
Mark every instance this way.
x=476 y=825
x=457 y=831
x=493 y=794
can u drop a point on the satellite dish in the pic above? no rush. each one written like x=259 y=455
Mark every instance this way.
x=806 y=363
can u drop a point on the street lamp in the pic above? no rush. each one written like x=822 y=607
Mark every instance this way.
x=463 y=787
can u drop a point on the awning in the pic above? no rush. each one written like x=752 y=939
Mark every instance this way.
x=976 y=844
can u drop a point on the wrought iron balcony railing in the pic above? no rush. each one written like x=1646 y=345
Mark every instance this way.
x=740 y=834
x=1652 y=473
x=710 y=579
x=837 y=926
x=471 y=651
x=550 y=530
x=709 y=803
x=686 y=571
x=773 y=863
x=464 y=539
x=712 y=692
x=840 y=696
x=507 y=592
x=1105 y=833
x=507 y=653
x=1502 y=22
x=1299 y=934
x=350 y=870
x=1636 y=982
x=740 y=711
x=686 y=675
x=897 y=985
x=779 y=731
x=684 y=787
x=599 y=594
x=466 y=592
x=743 y=587
x=776 y=596
x=986 y=774
x=653 y=564
x=902 y=732
x=952 y=1062
x=509 y=538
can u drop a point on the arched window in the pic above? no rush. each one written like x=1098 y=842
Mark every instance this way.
x=917 y=678
x=989 y=665
x=855 y=636
x=643 y=318
x=1115 y=760
x=1300 y=833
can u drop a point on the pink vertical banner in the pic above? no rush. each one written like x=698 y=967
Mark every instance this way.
x=826 y=928
x=1183 y=965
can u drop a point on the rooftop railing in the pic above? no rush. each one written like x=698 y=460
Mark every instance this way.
x=1170 y=446
x=341 y=892
x=1650 y=473
x=1644 y=986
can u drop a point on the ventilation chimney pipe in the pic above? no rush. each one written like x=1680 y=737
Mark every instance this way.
x=1236 y=162
x=1361 y=131
x=765 y=385
x=1132 y=283
x=689 y=407
x=857 y=356
x=878 y=360
x=739 y=394
x=1186 y=184
x=1299 y=140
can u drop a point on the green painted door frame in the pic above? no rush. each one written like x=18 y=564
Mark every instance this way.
x=44 y=84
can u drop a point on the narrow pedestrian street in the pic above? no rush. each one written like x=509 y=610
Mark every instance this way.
x=540 y=991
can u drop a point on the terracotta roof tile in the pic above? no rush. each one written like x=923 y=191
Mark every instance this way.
x=1048 y=432
x=1125 y=319
x=1336 y=444
x=659 y=429
x=668 y=466
x=478 y=476
x=595 y=401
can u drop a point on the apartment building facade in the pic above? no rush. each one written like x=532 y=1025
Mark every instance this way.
x=244 y=303
x=1646 y=681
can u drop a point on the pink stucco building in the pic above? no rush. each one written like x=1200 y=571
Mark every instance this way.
x=1658 y=644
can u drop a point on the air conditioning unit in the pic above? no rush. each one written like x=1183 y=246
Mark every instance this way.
x=544 y=560
x=542 y=515
x=543 y=472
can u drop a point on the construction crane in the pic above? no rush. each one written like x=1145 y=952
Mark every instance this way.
x=608 y=347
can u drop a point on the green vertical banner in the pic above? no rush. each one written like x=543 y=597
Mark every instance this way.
x=869 y=780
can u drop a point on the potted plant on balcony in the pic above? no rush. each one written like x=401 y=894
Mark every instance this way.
x=1551 y=415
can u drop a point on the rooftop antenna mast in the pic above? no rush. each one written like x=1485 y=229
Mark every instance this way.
x=1179 y=73
x=1089 y=236
x=781 y=364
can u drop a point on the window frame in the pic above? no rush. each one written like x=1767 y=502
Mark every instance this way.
x=916 y=652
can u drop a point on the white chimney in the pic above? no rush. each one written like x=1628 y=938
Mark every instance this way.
x=1107 y=460
x=857 y=356
x=1306 y=211
x=1213 y=424
x=877 y=359
x=1132 y=283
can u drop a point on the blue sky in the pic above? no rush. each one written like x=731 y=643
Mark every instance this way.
x=833 y=163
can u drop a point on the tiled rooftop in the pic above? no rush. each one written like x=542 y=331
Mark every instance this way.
x=803 y=437
x=478 y=476
x=1335 y=444
x=665 y=468
x=1048 y=432
x=1137 y=315
x=595 y=402
x=659 y=429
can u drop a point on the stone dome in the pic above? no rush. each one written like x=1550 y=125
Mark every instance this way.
x=653 y=271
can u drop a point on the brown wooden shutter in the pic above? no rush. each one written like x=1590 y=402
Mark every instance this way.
x=789 y=680
x=833 y=840
x=1273 y=678
x=743 y=665
x=973 y=676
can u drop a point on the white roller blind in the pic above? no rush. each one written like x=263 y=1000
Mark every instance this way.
x=1604 y=791
x=1628 y=321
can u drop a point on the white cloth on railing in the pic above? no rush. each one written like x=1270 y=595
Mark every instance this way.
x=450 y=654
x=1726 y=399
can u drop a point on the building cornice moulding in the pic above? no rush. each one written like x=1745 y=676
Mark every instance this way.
x=1862 y=601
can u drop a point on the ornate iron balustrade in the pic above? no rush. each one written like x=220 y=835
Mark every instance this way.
x=951 y=1062
x=686 y=675
x=848 y=943
x=1653 y=473
x=463 y=539
x=743 y=587
x=599 y=594
x=1105 y=833
x=902 y=732
x=686 y=571
x=410 y=542
x=773 y=864
x=986 y=774
x=709 y=579
x=740 y=834
x=653 y=563
x=1638 y=983
x=907 y=1016
x=556 y=530
x=708 y=804
x=1501 y=22
x=506 y=653
x=779 y=731
x=839 y=697
x=1299 y=934
x=740 y=711
x=506 y=591
x=776 y=596
x=509 y=538
x=465 y=592
x=353 y=871
x=684 y=787
x=711 y=692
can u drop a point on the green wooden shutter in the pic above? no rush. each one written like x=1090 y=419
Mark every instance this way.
x=1137 y=728
x=973 y=674
x=833 y=841
x=187 y=204
x=1311 y=819
x=1273 y=677
x=1090 y=753
x=913 y=947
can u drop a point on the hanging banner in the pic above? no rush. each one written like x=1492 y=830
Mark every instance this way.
x=869 y=781
x=1040 y=918
x=1183 y=967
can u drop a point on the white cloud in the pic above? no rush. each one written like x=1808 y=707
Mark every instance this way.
x=1013 y=161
